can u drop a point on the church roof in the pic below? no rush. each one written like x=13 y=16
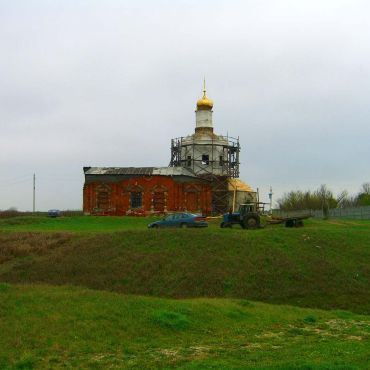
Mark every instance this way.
x=239 y=185
x=204 y=103
x=140 y=171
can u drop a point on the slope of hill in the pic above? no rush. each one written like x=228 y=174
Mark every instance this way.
x=323 y=265
x=45 y=327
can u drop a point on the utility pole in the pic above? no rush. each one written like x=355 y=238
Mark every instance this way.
x=270 y=196
x=34 y=193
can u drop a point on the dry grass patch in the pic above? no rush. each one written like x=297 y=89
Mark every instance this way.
x=14 y=245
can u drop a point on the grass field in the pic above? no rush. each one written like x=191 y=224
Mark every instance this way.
x=91 y=224
x=48 y=327
x=106 y=292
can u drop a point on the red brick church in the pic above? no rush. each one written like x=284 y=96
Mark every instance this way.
x=202 y=177
x=146 y=190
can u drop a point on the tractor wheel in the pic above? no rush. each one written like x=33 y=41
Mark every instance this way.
x=251 y=222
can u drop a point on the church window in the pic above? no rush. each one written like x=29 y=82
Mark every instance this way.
x=205 y=159
x=189 y=161
x=136 y=199
x=103 y=200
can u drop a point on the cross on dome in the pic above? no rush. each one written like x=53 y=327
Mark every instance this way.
x=204 y=103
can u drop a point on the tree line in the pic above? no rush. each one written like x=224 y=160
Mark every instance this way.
x=323 y=199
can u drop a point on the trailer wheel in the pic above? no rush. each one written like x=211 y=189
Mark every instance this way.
x=289 y=223
x=251 y=222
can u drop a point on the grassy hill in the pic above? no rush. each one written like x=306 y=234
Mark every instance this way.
x=67 y=285
x=90 y=224
x=323 y=265
x=47 y=327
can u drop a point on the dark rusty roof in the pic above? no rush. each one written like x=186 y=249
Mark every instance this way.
x=139 y=171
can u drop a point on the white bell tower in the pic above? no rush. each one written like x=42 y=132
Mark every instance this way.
x=204 y=152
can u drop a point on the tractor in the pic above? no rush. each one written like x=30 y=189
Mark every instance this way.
x=249 y=217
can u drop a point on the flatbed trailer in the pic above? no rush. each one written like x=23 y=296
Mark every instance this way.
x=249 y=217
x=293 y=221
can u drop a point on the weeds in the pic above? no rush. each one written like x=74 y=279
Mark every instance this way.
x=273 y=265
x=4 y=287
x=310 y=319
x=170 y=320
x=15 y=245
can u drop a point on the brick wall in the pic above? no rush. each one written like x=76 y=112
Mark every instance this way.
x=158 y=194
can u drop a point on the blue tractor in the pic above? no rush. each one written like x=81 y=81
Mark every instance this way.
x=248 y=216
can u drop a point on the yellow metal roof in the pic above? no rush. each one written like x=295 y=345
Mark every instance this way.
x=204 y=103
x=239 y=185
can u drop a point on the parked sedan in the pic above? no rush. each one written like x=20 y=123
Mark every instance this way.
x=180 y=220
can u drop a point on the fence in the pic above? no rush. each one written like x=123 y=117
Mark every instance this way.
x=359 y=213
x=14 y=213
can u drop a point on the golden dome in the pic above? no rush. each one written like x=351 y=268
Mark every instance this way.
x=204 y=103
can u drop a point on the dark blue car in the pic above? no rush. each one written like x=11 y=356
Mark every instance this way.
x=180 y=220
x=53 y=213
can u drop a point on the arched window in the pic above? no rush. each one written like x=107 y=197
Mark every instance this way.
x=136 y=196
x=188 y=163
x=192 y=197
x=102 y=197
x=159 y=198
x=136 y=199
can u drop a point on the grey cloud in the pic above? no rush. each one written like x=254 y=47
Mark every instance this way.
x=93 y=83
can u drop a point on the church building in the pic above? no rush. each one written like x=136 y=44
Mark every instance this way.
x=202 y=177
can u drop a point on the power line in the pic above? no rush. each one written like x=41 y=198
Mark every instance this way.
x=14 y=183
x=16 y=179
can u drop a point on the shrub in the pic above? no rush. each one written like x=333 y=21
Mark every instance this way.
x=310 y=319
x=170 y=320
x=4 y=287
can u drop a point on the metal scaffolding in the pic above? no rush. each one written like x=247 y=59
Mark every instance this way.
x=188 y=153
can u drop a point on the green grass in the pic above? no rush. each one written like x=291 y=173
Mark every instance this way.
x=46 y=327
x=91 y=224
x=202 y=291
x=323 y=265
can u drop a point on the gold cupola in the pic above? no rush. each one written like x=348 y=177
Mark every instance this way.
x=204 y=103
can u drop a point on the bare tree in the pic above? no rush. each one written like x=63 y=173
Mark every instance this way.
x=345 y=200
x=342 y=198
x=363 y=197
x=365 y=188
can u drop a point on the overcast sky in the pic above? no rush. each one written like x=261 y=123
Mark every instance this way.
x=109 y=83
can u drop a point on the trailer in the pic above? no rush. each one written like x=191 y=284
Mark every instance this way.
x=249 y=217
